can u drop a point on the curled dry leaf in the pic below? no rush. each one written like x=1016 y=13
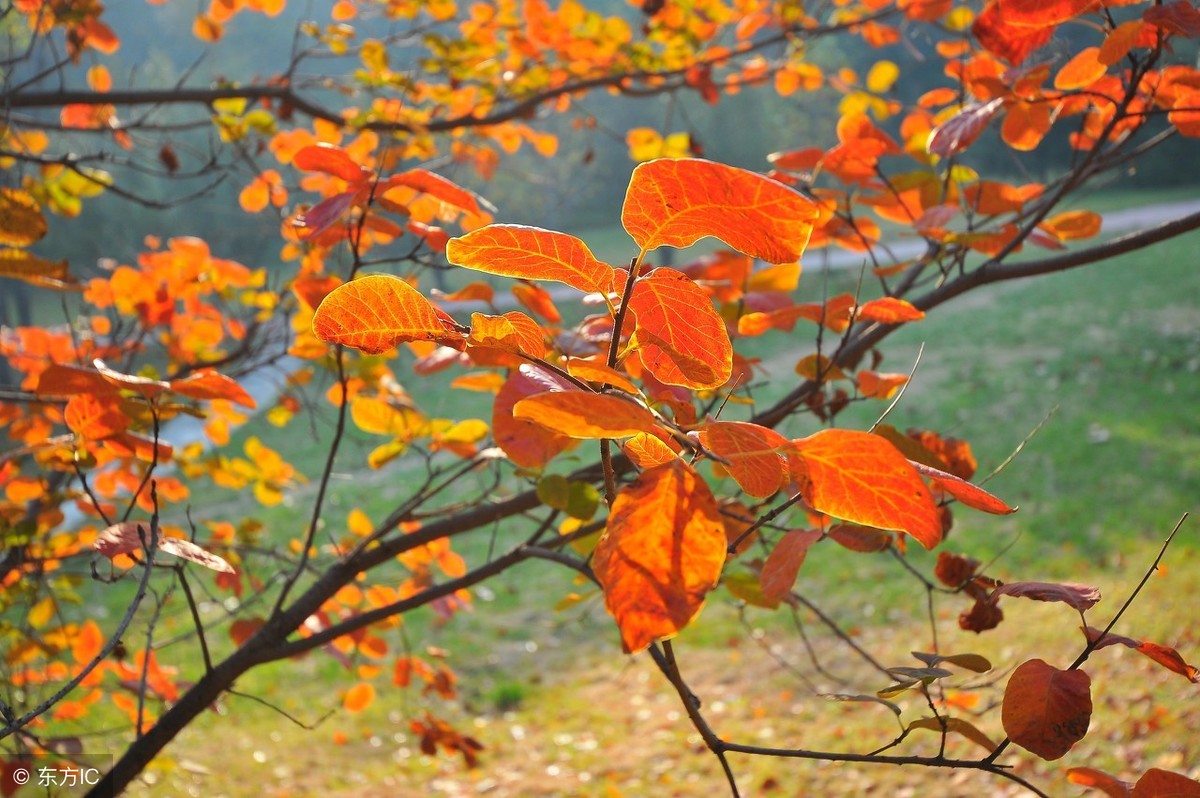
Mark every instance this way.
x=1081 y=597
x=127 y=537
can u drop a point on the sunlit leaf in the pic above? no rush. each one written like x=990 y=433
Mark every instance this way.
x=93 y=418
x=526 y=443
x=889 y=310
x=647 y=450
x=1046 y=710
x=331 y=160
x=531 y=253
x=594 y=371
x=29 y=268
x=752 y=453
x=1073 y=225
x=966 y=492
x=513 y=332
x=359 y=697
x=21 y=220
x=578 y=414
x=377 y=312
x=682 y=338
x=1043 y=13
x=661 y=554
x=209 y=384
x=862 y=478
x=676 y=202
x=1098 y=779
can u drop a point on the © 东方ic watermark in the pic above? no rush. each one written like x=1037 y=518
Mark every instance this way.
x=54 y=775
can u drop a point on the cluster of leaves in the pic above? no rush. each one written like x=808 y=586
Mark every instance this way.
x=679 y=492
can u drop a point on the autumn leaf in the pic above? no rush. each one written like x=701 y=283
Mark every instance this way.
x=969 y=494
x=1013 y=43
x=377 y=312
x=961 y=130
x=578 y=414
x=783 y=563
x=959 y=726
x=332 y=161
x=1079 y=597
x=863 y=478
x=1046 y=710
x=531 y=253
x=1073 y=225
x=647 y=450
x=752 y=453
x=29 y=268
x=127 y=537
x=209 y=384
x=92 y=418
x=21 y=220
x=359 y=697
x=682 y=339
x=889 y=310
x=1158 y=783
x=526 y=443
x=1098 y=779
x=512 y=332
x=1042 y=13
x=661 y=553
x=676 y=202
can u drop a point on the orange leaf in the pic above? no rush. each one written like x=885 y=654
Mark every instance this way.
x=1157 y=783
x=1119 y=41
x=647 y=450
x=1081 y=71
x=661 y=553
x=513 y=332
x=87 y=642
x=359 y=697
x=537 y=300
x=1073 y=225
x=596 y=372
x=676 y=202
x=29 y=268
x=783 y=563
x=1170 y=659
x=143 y=386
x=531 y=253
x=434 y=185
x=889 y=310
x=1046 y=710
x=752 y=452
x=875 y=385
x=527 y=444
x=966 y=492
x=375 y=313
x=863 y=478
x=91 y=418
x=60 y=380
x=1090 y=777
x=863 y=539
x=681 y=337
x=21 y=219
x=1025 y=125
x=311 y=289
x=208 y=384
x=578 y=414
x=330 y=160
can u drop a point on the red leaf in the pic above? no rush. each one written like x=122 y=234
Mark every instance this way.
x=330 y=160
x=752 y=452
x=783 y=563
x=94 y=419
x=676 y=202
x=1081 y=597
x=531 y=253
x=325 y=213
x=960 y=131
x=1180 y=17
x=682 y=338
x=966 y=492
x=1046 y=710
x=661 y=554
x=863 y=478
x=889 y=310
x=863 y=539
x=1043 y=13
x=375 y=313
x=434 y=185
x=1013 y=43
x=127 y=536
x=1157 y=783
x=527 y=444
x=208 y=384
x=578 y=414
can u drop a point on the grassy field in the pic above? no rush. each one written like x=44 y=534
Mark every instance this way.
x=1108 y=357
